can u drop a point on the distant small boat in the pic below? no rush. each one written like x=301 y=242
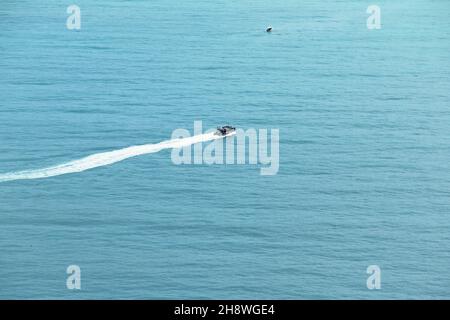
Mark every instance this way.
x=269 y=29
x=225 y=130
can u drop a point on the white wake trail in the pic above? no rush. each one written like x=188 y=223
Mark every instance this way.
x=105 y=158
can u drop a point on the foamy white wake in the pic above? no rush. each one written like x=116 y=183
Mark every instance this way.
x=105 y=158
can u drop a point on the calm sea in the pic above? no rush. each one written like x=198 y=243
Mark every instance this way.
x=364 y=120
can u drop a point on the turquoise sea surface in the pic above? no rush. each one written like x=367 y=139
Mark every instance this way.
x=364 y=122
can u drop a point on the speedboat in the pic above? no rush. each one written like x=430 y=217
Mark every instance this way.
x=225 y=130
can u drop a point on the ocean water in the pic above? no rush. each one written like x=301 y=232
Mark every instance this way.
x=364 y=122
